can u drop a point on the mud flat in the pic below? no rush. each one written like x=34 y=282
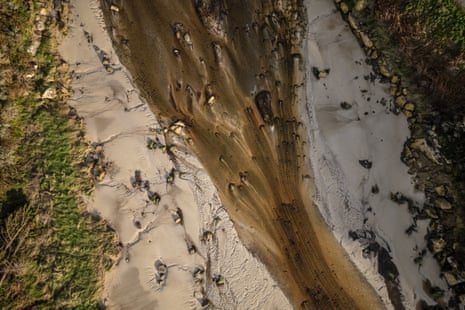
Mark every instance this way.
x=364 y=190
x=235 y=75
x=179 y=248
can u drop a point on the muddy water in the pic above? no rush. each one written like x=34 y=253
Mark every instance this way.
x=234 y=74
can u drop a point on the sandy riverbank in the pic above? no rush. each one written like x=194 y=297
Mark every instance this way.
x=118 y=120
x=367 y=130
x=235 y=77
x=267 y=166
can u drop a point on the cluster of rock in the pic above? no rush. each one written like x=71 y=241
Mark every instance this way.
x=95 y=160
x=422 y=154
x=380 y=64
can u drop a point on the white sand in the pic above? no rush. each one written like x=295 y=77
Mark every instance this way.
x=116 y=116
x=340 y=138
x=337 y=142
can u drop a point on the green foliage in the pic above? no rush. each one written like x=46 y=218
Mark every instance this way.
x=52 y=253
x=444 y=18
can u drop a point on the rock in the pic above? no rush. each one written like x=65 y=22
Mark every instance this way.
x=352 y=22
x=345 y=105
x=375 y=189
x=212 y=14
x=320 y=74
x=177 y=216
x=192 y=249
x=443 y=204
x=437 y=245
x=408 y=109
x=366 y=40
x=393 y=90
x=451 y=279
x=40 y=26
x=366 y=163
x=177 y=127
x=323 y=74
x=50 y=93
x=344 y=8
x=431 y=213
x=400 y=101
x=211 y=100
x=188 y=39
x=207 y=236
x=162 y=272
x=384 y=71
x=441 y=190
x=171 y=176
x=263 y=103
x=399 y=198
x=136 y=180
x=421 y=145
x=360 y=5
x=373 y=53
x=218 y=279
x=154 y=197
x=204 y=302
x=232 y=187
x=198 y=272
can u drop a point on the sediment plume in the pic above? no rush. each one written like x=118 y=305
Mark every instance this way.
x=232 y=72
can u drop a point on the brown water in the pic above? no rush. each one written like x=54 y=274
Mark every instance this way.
x=247 y=135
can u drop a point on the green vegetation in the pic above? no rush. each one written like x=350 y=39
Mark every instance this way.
x=52 y=252
x=444 y=20
x=426 y=39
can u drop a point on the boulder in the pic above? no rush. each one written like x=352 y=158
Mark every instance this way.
x=177 y=127
x=365 y=163
x=218 y=279
x=373 y=53
x=395 y=79
x=352 y=22
x=399 y=198
x=400 y=101
x=443 y=204
x=408 y=109
x=451 y=279
x=360 y=5
x=366 y=40
x=441 y=190
x=320 y=74
x=437 y=245
x=421 y=145
x=344 y=7
x=211 y=100
x=263 y=103
x=431 y=213
x=345 y=105
x=50 y=93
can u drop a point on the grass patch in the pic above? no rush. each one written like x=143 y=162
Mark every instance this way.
x=52 y=252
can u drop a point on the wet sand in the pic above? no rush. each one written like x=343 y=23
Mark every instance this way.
x=171 y=247
x=221 y=75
